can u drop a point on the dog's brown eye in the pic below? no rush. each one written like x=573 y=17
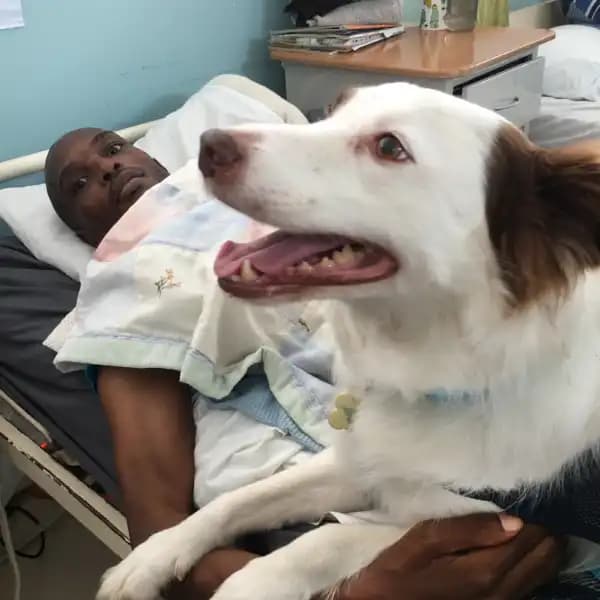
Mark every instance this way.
x=390 y=147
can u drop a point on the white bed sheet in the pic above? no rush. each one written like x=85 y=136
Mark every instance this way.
x=564 y=122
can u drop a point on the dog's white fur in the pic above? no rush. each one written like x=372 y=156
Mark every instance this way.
x=441 y=322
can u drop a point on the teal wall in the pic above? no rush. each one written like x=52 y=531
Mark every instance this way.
x=516 y=4
x=113 y=63
x=412 y=8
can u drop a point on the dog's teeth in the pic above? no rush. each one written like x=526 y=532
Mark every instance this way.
x=327 y=262
x=248 y=273
x=343 y=256
x=236 y=278
x=339 y=258
x=305 y=267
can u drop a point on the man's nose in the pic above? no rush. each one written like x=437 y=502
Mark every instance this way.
x=110 y=169
x=221 y=153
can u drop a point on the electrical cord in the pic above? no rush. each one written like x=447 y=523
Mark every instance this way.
x=10 y=549
x=10 y=510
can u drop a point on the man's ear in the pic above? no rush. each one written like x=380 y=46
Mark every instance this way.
x=543 y=215
x=165 y=172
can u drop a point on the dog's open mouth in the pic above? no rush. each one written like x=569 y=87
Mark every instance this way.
x=285 y=263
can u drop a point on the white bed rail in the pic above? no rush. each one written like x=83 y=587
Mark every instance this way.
x=34 y=163
x=103 y=520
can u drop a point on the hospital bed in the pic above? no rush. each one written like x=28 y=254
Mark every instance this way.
x=44 y=441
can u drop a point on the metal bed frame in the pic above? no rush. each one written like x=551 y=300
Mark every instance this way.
x=104 y=521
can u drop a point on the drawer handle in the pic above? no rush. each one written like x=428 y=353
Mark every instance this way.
x=510 y=104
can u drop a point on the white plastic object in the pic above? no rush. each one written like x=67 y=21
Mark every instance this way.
x=365 y=12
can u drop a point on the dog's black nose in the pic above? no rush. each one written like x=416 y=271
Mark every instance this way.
x=219 y=153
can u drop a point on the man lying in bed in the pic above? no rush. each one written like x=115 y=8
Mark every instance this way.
x=94 y=178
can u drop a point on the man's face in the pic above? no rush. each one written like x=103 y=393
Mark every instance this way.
x=95 y=176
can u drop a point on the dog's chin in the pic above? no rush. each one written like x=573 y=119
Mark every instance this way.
x=291 y=295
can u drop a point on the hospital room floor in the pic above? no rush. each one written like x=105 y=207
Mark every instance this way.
x=69 y=568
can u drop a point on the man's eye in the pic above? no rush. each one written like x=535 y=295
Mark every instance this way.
x=79 y=184
x=115 y=148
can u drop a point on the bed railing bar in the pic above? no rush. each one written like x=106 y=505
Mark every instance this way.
x=90 y=509
x=25 y=415
x=34 y=163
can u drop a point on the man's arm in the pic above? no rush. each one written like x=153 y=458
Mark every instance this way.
x=150 y=416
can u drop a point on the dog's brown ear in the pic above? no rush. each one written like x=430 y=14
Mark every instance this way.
x=543 y=214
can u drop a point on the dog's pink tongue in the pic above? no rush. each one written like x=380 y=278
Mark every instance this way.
x=290 y=251
x=273 y=254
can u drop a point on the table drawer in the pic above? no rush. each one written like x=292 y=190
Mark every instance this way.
x=514 y=93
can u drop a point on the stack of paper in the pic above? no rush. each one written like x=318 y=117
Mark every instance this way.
x=336 y=38
x=11 y=14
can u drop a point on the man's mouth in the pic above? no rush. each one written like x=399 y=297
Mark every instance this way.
x=284 y=263
x=125 y=185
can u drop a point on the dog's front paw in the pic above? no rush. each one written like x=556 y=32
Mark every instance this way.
x=260 y=579
x=149 y=568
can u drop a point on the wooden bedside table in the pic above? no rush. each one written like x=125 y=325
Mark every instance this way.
x=495 y=67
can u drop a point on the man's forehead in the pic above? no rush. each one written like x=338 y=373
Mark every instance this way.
x=64 y=151
x=72 y=144
x=77 y=137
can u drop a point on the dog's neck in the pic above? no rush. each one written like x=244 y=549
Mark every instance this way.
x=429 y=312
x=394 y=343
x=432 y=341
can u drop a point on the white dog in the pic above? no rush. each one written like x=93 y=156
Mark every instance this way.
x=471 y=343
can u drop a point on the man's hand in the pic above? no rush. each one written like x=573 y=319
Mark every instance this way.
x=479 y=557
x=207 y=576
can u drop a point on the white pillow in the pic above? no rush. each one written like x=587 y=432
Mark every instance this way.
x=28 y=212
x=572 y=69
x=172 y=141
x=364 y=12
x=176 y=138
